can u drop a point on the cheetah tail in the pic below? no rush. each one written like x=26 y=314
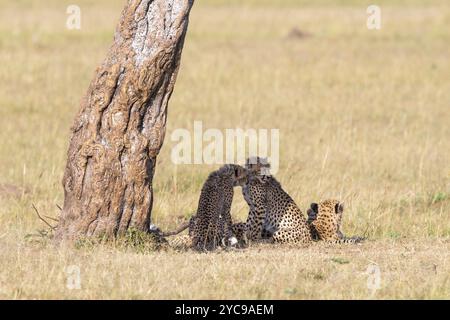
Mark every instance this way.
x=183 y=227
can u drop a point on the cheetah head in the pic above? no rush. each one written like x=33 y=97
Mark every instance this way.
x=238 y=173
x=326 y=217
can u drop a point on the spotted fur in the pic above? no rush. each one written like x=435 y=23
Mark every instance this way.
x=255 y=196
x=212 y=225
x=185 y=241
x=325 y=220
x=273 y=213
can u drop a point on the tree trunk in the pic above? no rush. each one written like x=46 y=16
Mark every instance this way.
x=120 y=128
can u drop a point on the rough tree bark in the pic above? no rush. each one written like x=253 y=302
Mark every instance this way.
x=120 y=128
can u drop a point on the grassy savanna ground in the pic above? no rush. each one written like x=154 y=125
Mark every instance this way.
x=363 y=116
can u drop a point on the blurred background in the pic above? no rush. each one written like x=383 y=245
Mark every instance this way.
x=363 y=114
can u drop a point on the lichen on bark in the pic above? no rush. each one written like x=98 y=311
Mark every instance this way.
x=120 y=127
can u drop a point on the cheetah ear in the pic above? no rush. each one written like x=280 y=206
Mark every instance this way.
x=339 y=208
x=315 y=207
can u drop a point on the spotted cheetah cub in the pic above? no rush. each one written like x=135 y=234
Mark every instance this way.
x=185 y=241
x=212 y=225
x=325 y=220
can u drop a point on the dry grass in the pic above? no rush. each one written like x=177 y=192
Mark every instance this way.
x=408 y=269
x=363 y=116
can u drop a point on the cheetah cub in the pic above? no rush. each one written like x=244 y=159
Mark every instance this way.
x=273 y=216
x=212 y=225
x=325 y=220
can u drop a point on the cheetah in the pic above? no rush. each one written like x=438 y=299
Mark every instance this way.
x=212 y=225
x=254 y=199
x=185 y=241
x=282 y=220
x=325 y=219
